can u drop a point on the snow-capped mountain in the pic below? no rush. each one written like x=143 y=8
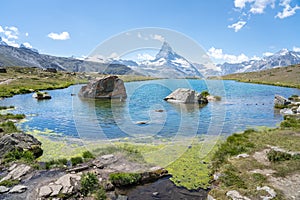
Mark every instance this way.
x=25 y=47
x=167 y=64
x=2 y=42
x=280 y=59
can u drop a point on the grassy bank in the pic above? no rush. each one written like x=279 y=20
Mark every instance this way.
x=21 y=80
x=282 y=76
x=263 y=166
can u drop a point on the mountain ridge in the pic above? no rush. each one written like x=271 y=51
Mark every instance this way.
x=166 y=64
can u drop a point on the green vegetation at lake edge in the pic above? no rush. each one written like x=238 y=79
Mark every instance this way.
x=22 y=80
x=281 y=76
x=240 y=173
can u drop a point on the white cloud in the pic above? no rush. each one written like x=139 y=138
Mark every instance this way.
x=59 y=36
x=139 y=35
x=241 y=3
x=9 y=34
x=266 y=54
x=297 y=49
x=219 y=55
x=113 y=55
x=10 y=42
x=27 y=45
x=259 y=6
x=255 y=58
x=26 y=34
x=145 y=56
x=288 y=10
x=158 y=37
x=237 y=26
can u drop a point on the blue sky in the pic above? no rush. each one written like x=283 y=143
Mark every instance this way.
x=229 y=30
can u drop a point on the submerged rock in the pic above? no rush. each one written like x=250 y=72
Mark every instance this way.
x=110 y=87
x=21 y=142
x=186 y=96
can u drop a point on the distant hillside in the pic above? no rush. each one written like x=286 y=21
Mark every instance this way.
x=281 y=76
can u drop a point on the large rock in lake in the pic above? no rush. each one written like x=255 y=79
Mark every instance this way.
x=187 y=96
x=110 y=87
x=280 y=101
x=21 y=142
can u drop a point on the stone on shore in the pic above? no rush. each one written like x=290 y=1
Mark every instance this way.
x=21 y=142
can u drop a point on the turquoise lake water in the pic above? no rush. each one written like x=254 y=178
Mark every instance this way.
x=243 y=105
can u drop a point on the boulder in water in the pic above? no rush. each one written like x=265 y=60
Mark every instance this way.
x=110 y=87
x=186 y=96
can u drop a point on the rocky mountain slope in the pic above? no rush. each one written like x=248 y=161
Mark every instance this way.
x=25 y=57
x=280 y=59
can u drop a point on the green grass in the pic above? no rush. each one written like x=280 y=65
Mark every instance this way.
x=76 y=160
x=26 y=80
x=9 y=183
x=124 y=179
x=6 y=107
x=9 y=127
x=281 y=76
x=58 y=163
x=26 y=156
x=236 y=173
x=89 y=183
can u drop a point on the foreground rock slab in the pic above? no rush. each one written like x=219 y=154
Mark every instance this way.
x=20 y=141
x=111 y=87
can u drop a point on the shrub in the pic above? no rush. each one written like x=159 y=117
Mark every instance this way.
x=100 y=194
x=56 y=163
x=275 y=156
x=230 y=178
x=89 y=183
x=76 y=160
x=87 y=155
x=14 y=155
x=12 y=116
x=205 y=93
x=9 y=183
x=124 y=179
x=9 y=127
x=6 y=107
x=290 y=122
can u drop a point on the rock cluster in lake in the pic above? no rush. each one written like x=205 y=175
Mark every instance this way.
x=41 y=95
x=110 y=87
x=290 y=106
x=186 y=96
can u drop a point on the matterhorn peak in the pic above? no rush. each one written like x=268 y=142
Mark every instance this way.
x=166 y=52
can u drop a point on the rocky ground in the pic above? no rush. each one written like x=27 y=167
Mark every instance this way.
x=66 y=183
